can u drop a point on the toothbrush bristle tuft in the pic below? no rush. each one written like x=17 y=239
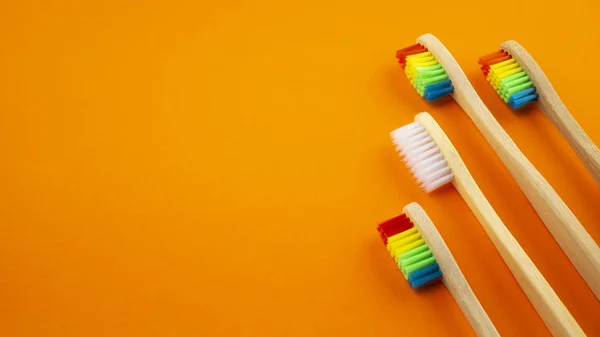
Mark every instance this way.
x=410 y=251
x=422 y=156
x=424 y=72
x=509 y=79
x=393 y=226
x=412 y=50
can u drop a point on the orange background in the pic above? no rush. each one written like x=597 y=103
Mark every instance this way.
x=184 y=168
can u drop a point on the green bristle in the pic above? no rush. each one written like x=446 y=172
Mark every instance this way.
x=412 y=252
x=518 y=87
x=416 y=259
x=430 y=68
x=513 y=84
x=420 y=86
x=428 y=75
x=512 y=77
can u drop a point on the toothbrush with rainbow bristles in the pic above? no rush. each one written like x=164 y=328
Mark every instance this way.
x=435 y=163
x=433 y=84
x=422 y=255
x=519 y=80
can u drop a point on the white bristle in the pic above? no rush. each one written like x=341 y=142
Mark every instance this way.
x=422 y=156
x=435 y=150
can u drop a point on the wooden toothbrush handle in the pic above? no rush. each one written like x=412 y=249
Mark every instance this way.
x=568 y=232
x=551 y=104
x=553 y=312
x=574 y=240
x=452 y=277
x=580 y=142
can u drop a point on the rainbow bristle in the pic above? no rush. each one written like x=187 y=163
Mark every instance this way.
x=424 y=72
x=509 y=79
x=410 y=251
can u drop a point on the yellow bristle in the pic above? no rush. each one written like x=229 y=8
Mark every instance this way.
x=399 y=246
x=401 y=250
x=414 y=56
x=412 y=66
x=502 y=64
x=505 y=73
x=496 y=73
x=402 y=235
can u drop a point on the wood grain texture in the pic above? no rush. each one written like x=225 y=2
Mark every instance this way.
x=566 y=229
x=452 y=277
x=551 y=104
x=555 y=315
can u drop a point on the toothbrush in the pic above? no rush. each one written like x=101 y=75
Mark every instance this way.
x=422 y=255
x=435 y=74
x=519 y=80
x=434 y=162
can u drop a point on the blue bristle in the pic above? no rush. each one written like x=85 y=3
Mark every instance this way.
x=425 y=280
x=522 y=98
x=439 y=85
x=529 y=99
x=434 y=95
x=523 y=93
x=423 y=271
x=438 y=90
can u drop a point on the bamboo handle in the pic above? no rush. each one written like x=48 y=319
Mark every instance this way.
x=572 y=237
x=555 y=315
x=557 y=112
x=452 y=277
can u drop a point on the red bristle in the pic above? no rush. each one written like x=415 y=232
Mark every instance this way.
x=416 y=49
x=382 y=227
x=491 y=56
x=403 y=53
x=491 y=59
x=398 y=226
x=486 y=66
x=394 y=226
